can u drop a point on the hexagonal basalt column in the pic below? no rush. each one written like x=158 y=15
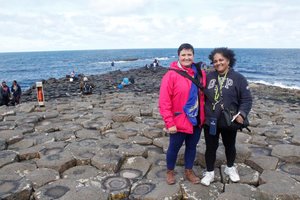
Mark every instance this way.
x=156 y=190
x=85 y=133
x=7 y=156
x=11 y=136
x=81 y=172
x=59 y=161
x=127 y=133
x=13 y=187
x=46 y=126
x=293 y=169
x=129 y=149
x=116 y=187
x=109 y=161
x=141 y=189
x=55 y=190
x=122 y=117
x=134 y=168
x=42 y=176
x=101 y=125
x=152 y=133
x=17 y=168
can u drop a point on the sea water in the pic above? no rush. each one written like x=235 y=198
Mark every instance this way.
x=279 y=67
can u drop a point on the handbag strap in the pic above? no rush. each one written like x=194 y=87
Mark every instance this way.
x=195 y=81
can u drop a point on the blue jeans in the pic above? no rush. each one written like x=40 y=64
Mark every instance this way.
x=176 y=141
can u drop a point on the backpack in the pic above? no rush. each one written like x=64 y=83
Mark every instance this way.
x=87 y=88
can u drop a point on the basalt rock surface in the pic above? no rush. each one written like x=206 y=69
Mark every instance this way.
x=112 y=145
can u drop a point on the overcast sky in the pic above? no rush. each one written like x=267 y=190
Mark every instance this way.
x=43 y=25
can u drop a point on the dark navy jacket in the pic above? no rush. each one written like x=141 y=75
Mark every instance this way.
x=235 y=92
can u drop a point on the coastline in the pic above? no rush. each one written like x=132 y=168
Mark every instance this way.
x=147 y=81
x=111 y=145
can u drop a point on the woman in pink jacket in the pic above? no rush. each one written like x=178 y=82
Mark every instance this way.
x=181 y=105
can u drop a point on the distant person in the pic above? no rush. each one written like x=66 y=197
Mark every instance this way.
x=16 y=92
x=155 y=63
x=112 y=64
x=86 y=86
x=226 y=89
x=181 y=105
x=73 y=76
x=126 y=81
x=4 y=94
x=131 y=80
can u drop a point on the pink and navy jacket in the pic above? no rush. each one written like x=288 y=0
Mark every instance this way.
x=174 y=93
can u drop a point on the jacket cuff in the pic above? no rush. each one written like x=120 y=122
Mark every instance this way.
x=243 y=114
x=170 y=124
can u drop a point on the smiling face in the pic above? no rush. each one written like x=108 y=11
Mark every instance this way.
x=221 y=63
x=186 y=57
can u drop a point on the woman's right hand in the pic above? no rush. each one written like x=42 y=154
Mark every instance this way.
x=172 y=130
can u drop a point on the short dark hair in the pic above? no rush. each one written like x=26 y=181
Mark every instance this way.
x=227 y=53
x=185 y=46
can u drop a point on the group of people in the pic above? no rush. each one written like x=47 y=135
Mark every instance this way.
x=10 y=96
x=192 y=99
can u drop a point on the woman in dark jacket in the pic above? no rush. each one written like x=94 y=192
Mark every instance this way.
x=16 y=92
x=226 y=88
x=4 y=94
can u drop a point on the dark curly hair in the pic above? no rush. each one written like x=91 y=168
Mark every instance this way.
x=227 y=53
x=185 y=46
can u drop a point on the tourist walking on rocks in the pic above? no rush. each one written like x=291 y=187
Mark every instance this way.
x=16 y=92
x=226 y=89
x=4 y=94
x=181 y=106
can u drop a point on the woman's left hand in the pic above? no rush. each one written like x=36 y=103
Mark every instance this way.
x=239 y=119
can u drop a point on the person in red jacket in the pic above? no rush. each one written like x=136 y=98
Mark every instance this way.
x=181 y=105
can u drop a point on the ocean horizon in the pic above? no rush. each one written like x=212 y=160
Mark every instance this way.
x=277 y=67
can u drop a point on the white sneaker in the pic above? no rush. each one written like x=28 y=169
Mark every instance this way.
x=208 y=178
x=232 y=173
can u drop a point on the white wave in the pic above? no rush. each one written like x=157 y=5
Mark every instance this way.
x=124 y=61
x=163 y=58
x=277 y=84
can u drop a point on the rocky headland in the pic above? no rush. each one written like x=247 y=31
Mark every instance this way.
x=110 y=145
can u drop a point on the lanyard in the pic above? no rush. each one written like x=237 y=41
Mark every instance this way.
x=218 y=90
